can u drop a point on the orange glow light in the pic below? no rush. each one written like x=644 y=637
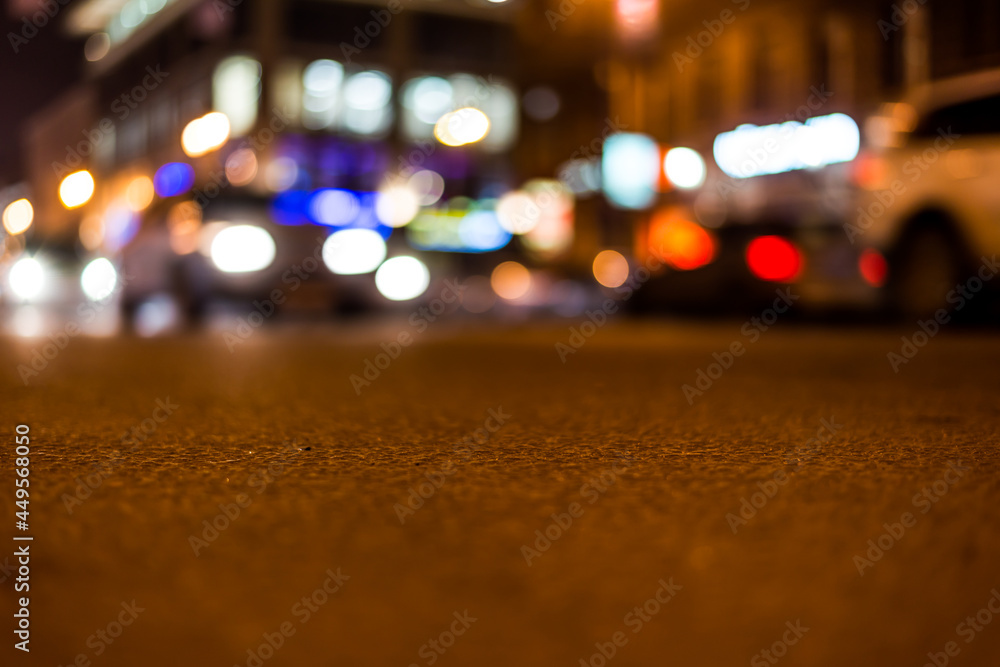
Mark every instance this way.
x=682 y=244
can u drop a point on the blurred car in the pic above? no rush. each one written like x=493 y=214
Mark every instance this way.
x=930 y=199
x=234 y=253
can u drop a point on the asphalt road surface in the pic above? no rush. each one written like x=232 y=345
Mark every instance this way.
x=811 y=506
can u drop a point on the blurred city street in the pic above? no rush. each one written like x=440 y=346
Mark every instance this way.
x=500 y=332
x=482 y=502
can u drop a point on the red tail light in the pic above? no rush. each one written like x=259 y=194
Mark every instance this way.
x=774 y=258
x=873 y=267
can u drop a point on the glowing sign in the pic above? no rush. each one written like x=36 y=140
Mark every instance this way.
x=750 y=150
x=630 y=170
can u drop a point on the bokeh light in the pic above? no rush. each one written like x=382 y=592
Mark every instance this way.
x=428 y=185
x=402 y=278
x=873 y=267
x=684 y=168
x=241 y=167
x=462 y=126
x=206 y=134
x=139 y=193
x=26 y=278
x=774 y=258
x=610 y=268
x=682 y=244
x=17 y=216
x=354 y=251
x=397 y=205
x=76 y=189
x=242 y=248
x=98 y=279
x=173 y=178
x=510 y=280
x=332 y=206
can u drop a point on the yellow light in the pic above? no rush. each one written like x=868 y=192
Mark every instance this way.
x=206 y=134
x=139 y=193
x=610 y=268
x=462 y=126
x=76 y=189
x=17 y=216
x=510 y=280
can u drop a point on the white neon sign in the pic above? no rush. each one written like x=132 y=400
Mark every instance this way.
x=750 y=150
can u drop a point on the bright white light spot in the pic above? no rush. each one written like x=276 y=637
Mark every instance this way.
x=98 y=279
x=428 y=97
x=397 y=205
x=402 y=278
x=772 y=149
x=235 y=91
x=205 y=134
x=630 y=168
x=76 y=189
x=242 y=248
x=353 y=251
x=684 y=168
x=463 y=126
x=368 y=91
x=17 y=216
x=26 y=278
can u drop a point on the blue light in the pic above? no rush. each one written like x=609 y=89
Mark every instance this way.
x=291 y=207
x=630 y=169
x=337 y=208
x=480 y=231
x=173 y=178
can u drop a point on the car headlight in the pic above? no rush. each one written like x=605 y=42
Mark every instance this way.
x=242 y=248
x=26 y=278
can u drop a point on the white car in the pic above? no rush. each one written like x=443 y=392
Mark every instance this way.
x=930 y=196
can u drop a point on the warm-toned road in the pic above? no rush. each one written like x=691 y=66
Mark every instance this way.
x=323 y=486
